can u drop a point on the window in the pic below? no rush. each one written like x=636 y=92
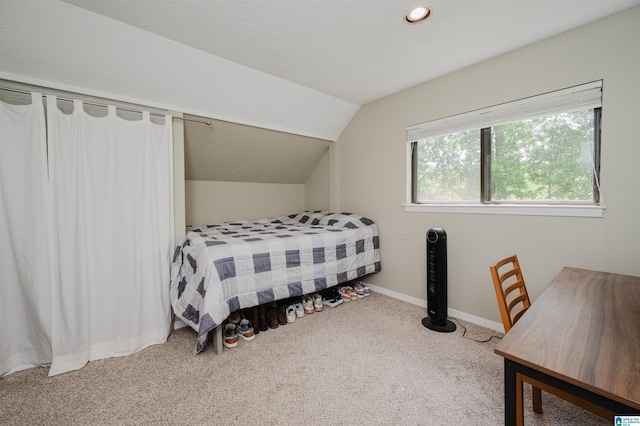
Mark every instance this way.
x=543 y=150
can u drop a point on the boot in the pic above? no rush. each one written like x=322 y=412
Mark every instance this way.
x=282 y=315
x=262 y=318
x=272 y=315
x=252 y=315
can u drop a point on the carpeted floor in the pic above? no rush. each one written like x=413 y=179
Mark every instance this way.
x=366 y=362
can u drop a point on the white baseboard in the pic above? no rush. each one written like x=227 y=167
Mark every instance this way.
x=492 y=325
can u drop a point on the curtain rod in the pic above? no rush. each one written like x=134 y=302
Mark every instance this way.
x=64 y=98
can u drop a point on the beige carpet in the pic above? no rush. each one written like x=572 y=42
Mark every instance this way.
x=366 y=362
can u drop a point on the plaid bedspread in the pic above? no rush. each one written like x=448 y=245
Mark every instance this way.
x=218 y=269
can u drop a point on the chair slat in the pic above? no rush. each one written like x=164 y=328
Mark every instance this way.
x=523 y=298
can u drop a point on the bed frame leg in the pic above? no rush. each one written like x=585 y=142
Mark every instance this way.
x=217 y=340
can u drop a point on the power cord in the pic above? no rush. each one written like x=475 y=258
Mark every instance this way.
x=464 y=332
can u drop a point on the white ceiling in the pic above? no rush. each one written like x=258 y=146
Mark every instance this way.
x=358 y=50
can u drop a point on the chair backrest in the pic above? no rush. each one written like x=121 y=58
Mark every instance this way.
x=511 y=291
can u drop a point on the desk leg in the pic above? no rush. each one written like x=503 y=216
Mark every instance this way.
x=513 y=402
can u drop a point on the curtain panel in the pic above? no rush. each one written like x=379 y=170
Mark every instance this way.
x=112 y=226
x=25 y=296
x=85 y=270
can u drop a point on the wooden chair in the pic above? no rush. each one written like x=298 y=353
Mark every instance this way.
x=513 y=301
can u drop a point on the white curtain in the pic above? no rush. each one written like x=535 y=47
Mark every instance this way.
x=25 y=295
x=110 y=185
x=86 y=230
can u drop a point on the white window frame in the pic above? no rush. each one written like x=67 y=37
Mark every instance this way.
x=585 y=96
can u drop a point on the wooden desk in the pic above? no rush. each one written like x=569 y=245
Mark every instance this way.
x=582 y=335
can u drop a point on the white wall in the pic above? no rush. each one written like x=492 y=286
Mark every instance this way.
x=55 y=44
x=214 y=202
x=316 y=188
x=371 y=153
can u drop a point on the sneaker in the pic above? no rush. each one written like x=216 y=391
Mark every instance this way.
x=344 y=294
x=352 y=293
x=291 y=314
x=365 y=287
x=307 y=304
x=245 y=330
x=359 y=288
x=332 y=298
x=317 y=302
x=229 y=335
x=299 y=309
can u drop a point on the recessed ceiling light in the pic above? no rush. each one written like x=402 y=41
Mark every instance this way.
x=417 y=14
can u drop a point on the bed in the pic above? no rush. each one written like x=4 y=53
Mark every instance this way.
x=221 y=268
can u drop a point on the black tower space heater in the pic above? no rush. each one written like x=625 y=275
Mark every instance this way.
x=437 y=282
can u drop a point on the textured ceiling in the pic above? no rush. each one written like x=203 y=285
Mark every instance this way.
x=358 y=50
x=232 y=152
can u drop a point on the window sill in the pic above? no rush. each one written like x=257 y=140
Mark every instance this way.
x=509 y=209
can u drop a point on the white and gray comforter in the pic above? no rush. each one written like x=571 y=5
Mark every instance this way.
x=218 y=269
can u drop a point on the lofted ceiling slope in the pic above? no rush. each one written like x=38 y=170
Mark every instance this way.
x=231 y=152
x=358 y=51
